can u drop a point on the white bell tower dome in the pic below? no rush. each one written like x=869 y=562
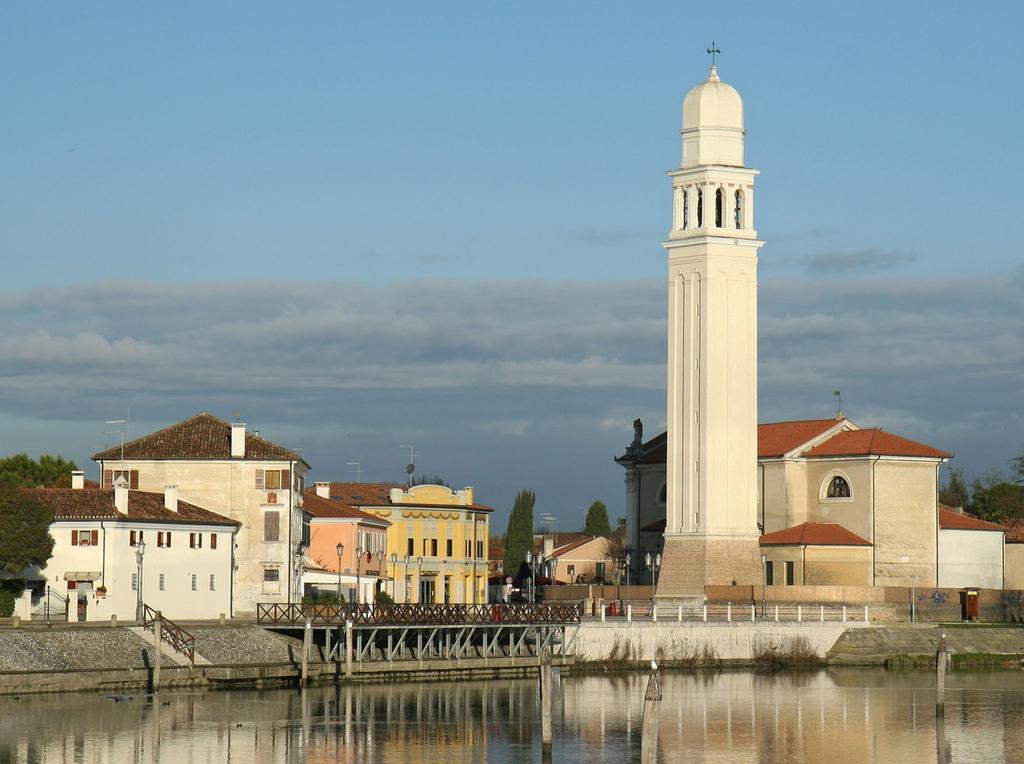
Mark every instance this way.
x=713 y=124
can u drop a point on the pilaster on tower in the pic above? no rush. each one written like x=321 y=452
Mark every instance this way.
x=711 y=494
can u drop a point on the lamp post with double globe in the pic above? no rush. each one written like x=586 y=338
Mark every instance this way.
x=340 y=549
x=140 y=551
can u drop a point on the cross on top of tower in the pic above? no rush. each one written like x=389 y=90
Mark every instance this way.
x=712 y=51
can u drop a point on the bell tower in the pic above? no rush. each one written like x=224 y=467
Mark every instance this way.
x=711 y=533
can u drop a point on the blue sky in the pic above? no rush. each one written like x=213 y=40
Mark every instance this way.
x=344 y=153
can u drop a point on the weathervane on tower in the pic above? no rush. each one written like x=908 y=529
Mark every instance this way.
x=712 y=51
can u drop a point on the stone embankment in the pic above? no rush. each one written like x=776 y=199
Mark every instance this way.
x=910 y=645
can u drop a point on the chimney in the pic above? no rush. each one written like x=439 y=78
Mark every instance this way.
x=549 y=546
x=121 y=495
x=171 y=497
x=323 y=490
x=238 y=440
x=77 y=479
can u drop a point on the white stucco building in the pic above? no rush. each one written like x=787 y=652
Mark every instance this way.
x=971 y=551
x=97 y=533
x=238 y=475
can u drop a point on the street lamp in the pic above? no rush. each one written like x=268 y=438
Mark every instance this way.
x=340 y=549
x=627 y=573
x=764 y=580
x=359 y=558
x=419 y=577
x=554 y=567
x=408 y=583
x=394 y=575
x=140 y=550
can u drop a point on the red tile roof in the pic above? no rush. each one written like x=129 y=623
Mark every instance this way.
x=874 y=442
x=144 y=506
x=1015 y=531
x=200 y=437
x=573 y=544
x=379 y=495
x=320 y=507
x=773 y=439
x=814 y=534
x=778 y=438
x=950 y=519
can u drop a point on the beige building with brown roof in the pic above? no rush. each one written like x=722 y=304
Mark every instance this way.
x=837 y=504
x=239 y=475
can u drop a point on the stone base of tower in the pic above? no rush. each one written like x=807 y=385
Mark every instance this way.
x=689 y=563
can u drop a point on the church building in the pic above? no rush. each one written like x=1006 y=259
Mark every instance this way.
x=728 y=501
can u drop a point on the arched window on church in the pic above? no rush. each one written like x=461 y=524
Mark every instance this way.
x=738 y=211
x=686 y=209
x=719 y=208
x=700 y=208
x=838 y=488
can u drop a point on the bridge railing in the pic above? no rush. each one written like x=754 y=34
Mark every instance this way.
x=416 y=614
x=178 y=638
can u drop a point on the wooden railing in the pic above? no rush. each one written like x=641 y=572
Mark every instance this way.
x=180 y=640
x=416 y=615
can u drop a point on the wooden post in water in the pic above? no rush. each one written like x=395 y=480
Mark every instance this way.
x=348 y=648
x=546 y=702
x=649 y=728
x=158 y=638
x=941 y=662
x=307 y=641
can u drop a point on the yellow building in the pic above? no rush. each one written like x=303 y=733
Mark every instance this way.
x=437 y=542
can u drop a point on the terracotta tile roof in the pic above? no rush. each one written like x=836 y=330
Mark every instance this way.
x=361 y=494
x=1015 y=531
x=778 y=438
x=773 y=439
x=814 y=534
x=202 y=436
x=318 y=506
x=950 y=519
x=379 y=495
x=874 y=442
x=573 y=545
x=143 y=506
x=495 y=551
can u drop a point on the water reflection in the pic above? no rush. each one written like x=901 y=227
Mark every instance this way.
x=833 y=716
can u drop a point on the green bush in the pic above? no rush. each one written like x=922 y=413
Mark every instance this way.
x=322 y=598
x=13 y=585
x=383 y=598
x=6 y=603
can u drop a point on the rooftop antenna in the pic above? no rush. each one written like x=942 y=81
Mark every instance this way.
x=712 y=51
x=411 y=466
x=122 y=431
x=357 y=469
x=839 y=404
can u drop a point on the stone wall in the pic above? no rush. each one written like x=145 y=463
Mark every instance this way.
x=672 y=641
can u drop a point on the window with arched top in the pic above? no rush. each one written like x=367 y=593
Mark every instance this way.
x=686 y=209
x=838 y=488
x=738 y=211
x=719 y=208
x=700 y=208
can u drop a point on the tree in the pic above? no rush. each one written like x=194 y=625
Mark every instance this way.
x=1017 y=465
x=955 y=493
x=429 y=480
x=1002 y=501
x=597 y=520
x=25 y=538
x=48 y=472
x=519 y=538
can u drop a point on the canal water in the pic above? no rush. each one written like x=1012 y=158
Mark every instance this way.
x=848 y=715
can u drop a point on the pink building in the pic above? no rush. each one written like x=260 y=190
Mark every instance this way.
x=361 y=540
